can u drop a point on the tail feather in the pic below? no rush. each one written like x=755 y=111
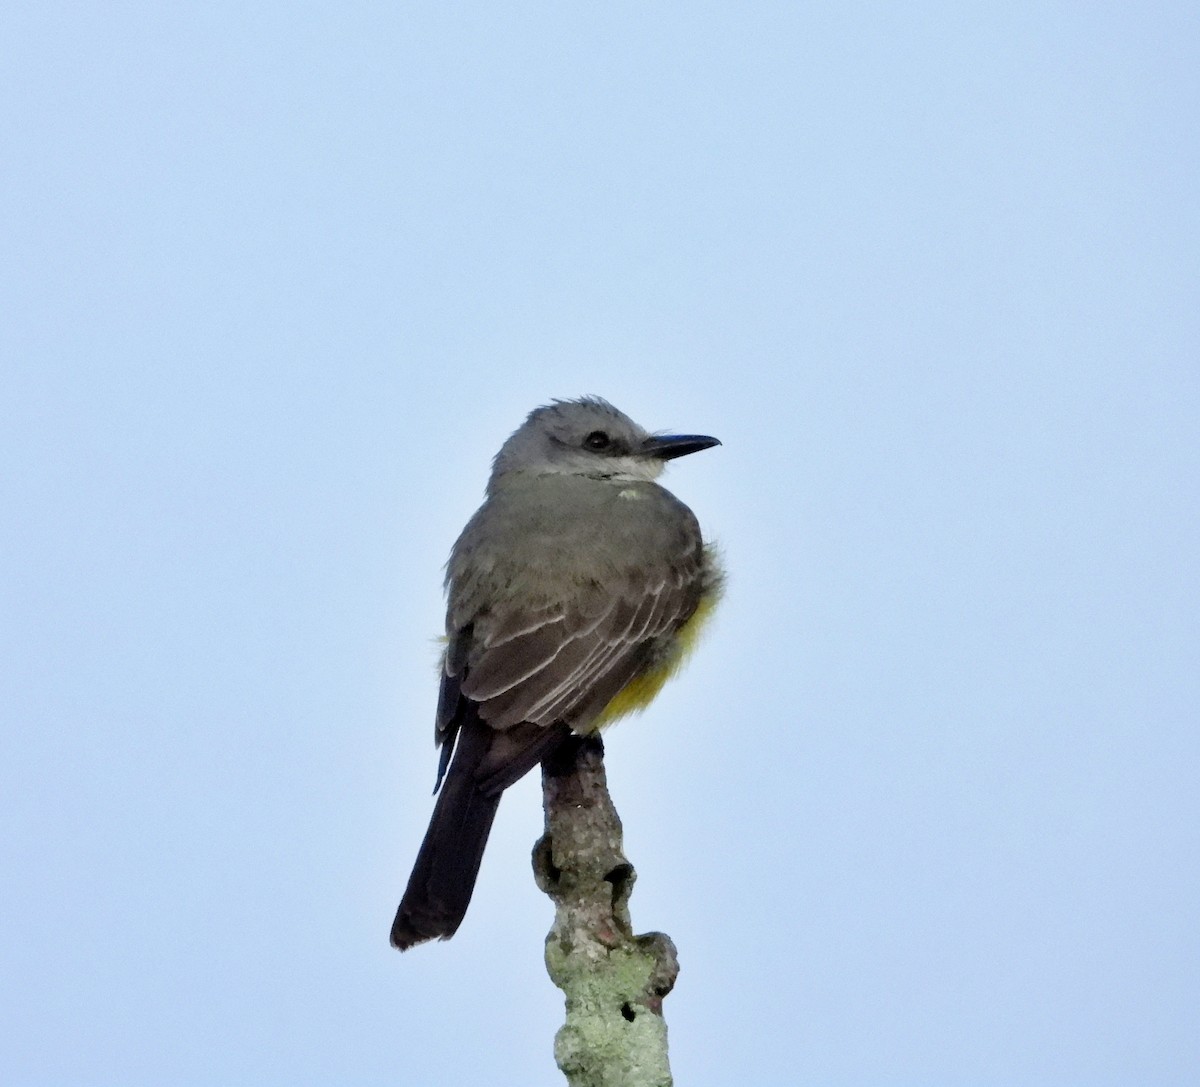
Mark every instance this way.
x=485 y=762
x=443 y=877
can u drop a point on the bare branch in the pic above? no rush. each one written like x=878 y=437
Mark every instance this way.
x=614 y=982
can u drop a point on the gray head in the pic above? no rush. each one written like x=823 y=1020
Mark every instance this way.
x=589 y=437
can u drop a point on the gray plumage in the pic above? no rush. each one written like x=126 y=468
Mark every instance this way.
x=571 y=580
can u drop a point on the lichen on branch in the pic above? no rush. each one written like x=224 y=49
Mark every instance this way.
x=614 y=982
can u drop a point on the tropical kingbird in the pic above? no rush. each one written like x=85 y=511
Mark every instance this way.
x=574 y=593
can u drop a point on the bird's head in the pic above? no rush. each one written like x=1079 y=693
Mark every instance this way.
x=589 y=437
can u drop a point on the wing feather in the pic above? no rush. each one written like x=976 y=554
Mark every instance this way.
x=603 y=654
x=499 y=668
x=612 y=640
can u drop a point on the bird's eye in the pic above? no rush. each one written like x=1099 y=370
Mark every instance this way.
x=597 y=441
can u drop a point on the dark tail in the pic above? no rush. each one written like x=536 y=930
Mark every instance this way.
x=443 y=878
x=485 y=763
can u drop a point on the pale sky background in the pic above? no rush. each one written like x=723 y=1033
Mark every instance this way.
x=277 y=281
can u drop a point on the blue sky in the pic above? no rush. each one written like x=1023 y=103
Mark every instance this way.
x=279 y=279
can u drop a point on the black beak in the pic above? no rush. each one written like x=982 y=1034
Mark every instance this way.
x=670 y=446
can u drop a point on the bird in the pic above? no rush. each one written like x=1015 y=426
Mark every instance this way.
x=573 y=594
